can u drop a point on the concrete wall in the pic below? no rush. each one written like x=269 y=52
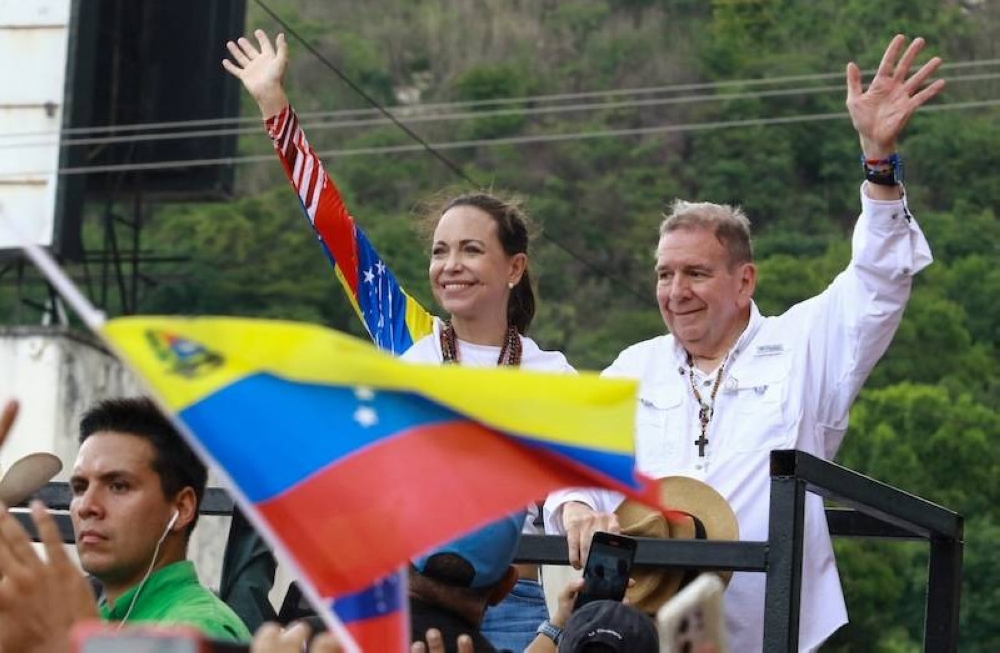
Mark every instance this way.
x=56 y=374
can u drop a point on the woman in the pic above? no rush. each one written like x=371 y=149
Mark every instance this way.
x=478 y=273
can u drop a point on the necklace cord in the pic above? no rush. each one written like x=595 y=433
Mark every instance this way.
x=705 y=410
x=510 y=353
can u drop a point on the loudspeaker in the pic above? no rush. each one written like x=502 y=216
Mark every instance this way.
x=141 y=63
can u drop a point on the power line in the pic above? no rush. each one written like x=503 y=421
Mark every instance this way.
x=365 y=96
x=432 y=117
x=420 y=109
x=489 y=142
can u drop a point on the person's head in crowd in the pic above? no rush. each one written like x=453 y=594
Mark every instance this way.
x=479 y=261
x=136 y=489
x=471 y=573
x=705 y=275
x=609 y=627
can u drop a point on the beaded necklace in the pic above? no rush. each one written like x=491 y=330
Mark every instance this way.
x=510 y=353
x=705 y=409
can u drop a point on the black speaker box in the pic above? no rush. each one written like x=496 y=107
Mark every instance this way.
x=134 y=64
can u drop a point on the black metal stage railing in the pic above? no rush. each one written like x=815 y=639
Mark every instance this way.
x=871 y=510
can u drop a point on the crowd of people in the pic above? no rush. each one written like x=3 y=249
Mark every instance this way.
x=721 y=390
x=136 y=492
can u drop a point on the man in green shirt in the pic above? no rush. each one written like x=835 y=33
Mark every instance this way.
x=136 y=490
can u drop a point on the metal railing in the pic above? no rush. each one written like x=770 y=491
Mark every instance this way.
x=871 y=510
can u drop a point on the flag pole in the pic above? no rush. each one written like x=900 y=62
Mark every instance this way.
x=95 y=320
x=91 y=316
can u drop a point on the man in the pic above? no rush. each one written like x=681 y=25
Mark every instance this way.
x=451 y=587
x=136 y=491
x=609 y=627
x=728 y=385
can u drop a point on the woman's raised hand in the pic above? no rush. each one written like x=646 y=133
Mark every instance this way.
x=261 y=68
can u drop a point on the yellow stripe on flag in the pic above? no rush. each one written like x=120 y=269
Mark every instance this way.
x=188 y=359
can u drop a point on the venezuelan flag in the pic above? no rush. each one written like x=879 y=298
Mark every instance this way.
x=358 y=462
x=394 y=319
x=378 y=615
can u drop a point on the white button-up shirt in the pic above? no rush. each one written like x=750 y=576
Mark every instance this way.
x=789 y=382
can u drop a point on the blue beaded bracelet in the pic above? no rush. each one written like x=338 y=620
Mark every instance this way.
x=876 y=174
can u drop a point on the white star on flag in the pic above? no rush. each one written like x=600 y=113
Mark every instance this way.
x=369 y=277
x=366 y=416
x=364 y=393
x=380 y=266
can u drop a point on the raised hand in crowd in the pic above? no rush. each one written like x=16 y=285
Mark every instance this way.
x=271 y=638
x=564 y=610
x=435 y=643
x=261 y=68
x=40 y=599
x=7 y=418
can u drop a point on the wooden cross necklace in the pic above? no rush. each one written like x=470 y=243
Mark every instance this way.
x=705 y=409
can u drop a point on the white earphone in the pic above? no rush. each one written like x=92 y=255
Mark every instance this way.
x=152 y=563
x=173 y=520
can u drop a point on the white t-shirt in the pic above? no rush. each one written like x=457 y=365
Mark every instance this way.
x=428 y=350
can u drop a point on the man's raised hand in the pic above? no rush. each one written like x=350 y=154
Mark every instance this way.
x=881 y=112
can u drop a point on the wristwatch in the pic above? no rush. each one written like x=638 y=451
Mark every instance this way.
x=549 y=630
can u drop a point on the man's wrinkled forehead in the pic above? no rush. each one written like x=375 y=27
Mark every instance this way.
x=689 y=242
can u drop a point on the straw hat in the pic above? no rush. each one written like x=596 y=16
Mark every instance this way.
x=653 y=587
x=27 y=476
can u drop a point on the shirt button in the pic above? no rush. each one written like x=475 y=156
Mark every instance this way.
x=707 y=383
x=699 y=467
x=906 y=271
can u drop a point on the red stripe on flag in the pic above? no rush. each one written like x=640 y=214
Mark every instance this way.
x=336 y=227
x=389 y=633
x=361 y=518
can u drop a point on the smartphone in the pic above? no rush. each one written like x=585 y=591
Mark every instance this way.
x=692 y=621
x=607 y=570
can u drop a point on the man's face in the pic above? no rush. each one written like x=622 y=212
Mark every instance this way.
x=702 y=301
x=118 y=509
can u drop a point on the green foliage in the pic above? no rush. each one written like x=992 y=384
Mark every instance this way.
x=940 y=445
x=974 y=283
x=365 y=63
x=878 y=579
x=234 y=269
x=489 y=82
x=580 y=20
x=981 y=600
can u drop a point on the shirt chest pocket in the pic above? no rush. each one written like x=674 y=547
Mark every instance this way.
x=659 y=422
x=759 y=405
